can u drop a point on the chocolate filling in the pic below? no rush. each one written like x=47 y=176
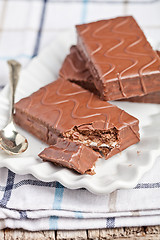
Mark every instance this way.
x=101 y=140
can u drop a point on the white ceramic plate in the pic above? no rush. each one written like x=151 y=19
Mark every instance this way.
x=121 y=171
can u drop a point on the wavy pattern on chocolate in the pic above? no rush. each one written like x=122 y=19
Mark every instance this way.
x=74 y=69
x=118 y=50
x=62 y=105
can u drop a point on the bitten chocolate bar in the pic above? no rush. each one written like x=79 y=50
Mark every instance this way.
x=72 y=155
x=65 y=110
x=119 y=57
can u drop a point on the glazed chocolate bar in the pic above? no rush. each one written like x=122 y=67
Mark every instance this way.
x=119 y=57
x=71 y=155
x=74 y=69
x=65 y=110
x=148 y=98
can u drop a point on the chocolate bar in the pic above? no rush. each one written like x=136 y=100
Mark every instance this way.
x=148 y=98
x=119 y=57
x=72 y=155
x=65 y=110
x=74 y=69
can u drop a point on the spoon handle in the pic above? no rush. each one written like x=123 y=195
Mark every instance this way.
x=14 y=68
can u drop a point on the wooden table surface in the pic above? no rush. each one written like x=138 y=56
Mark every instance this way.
x=127 y=233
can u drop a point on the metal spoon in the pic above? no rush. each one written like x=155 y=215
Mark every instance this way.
x=10 y=140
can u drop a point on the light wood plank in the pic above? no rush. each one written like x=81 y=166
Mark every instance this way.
x=112 y=233
x=70 y=235
x=130 y=233
x=156 y=237
x=26 y=235
x=49 y=235
x=135 y=231
x=152 y=230
x=93 y=234
x=2 y=234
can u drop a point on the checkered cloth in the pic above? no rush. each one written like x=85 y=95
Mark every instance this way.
x=25 y=202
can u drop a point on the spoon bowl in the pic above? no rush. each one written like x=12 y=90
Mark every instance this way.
x=10 y=140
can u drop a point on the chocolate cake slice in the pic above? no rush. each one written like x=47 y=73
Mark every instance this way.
x=74 y=69
x=72 y=155
x=119 y=57
x=65 y=110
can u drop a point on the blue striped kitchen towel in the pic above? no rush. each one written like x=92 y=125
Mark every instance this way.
x=25 y=202
x=28 y=203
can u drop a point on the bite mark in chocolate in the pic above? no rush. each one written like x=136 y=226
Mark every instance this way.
x=95 y=138
x=63 y=109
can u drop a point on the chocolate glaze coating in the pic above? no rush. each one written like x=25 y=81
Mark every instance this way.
x=71 y=155
x=119 y=57
x=57 y=108
x=74 y=68
x=148 y=98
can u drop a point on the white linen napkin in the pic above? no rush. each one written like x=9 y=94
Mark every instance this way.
x=28 y=203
